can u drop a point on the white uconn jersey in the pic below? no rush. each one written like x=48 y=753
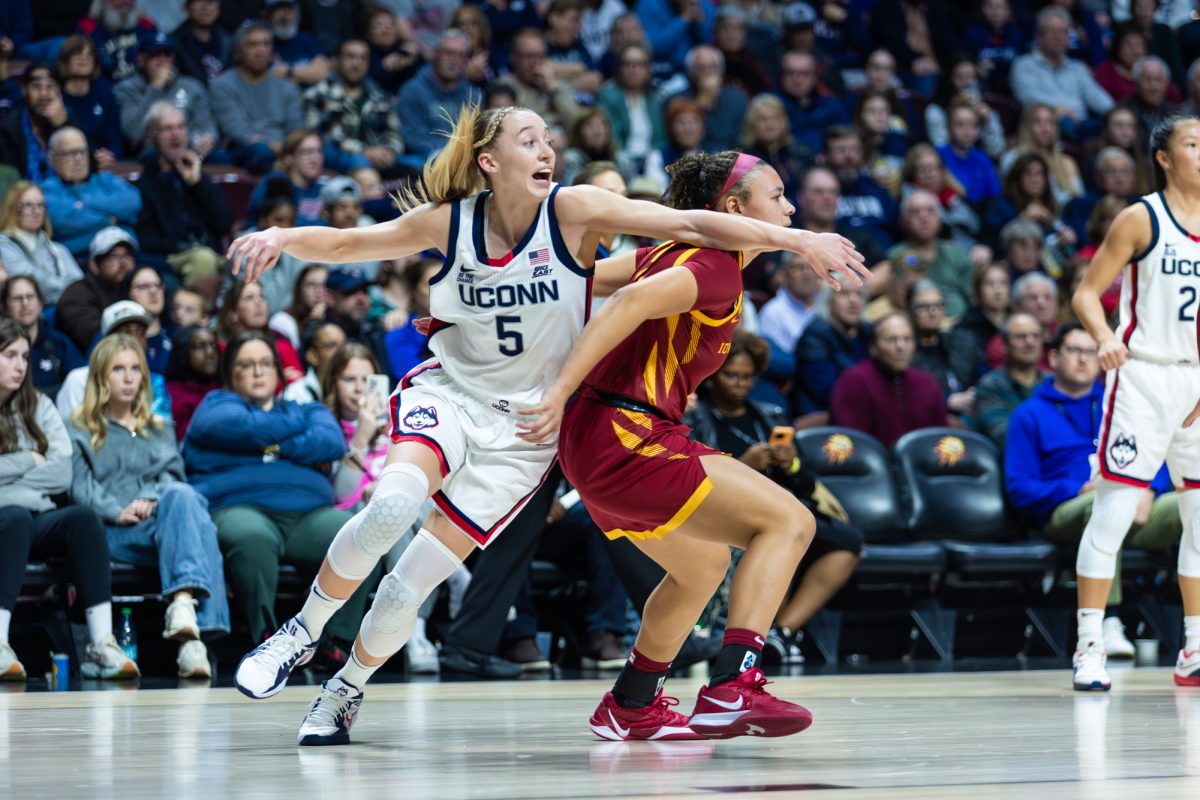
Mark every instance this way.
x=502 y=330
x=1160 y=296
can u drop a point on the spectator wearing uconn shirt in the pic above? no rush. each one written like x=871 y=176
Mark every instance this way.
x=117 y=27
x=863 y=203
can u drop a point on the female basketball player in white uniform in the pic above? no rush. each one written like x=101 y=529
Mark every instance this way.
x=1153 y=380
x=502 y=327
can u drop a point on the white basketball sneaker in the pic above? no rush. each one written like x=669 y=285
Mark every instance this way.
x=1091 y=673
x=265 y=669
x=1115 y=641
x=108 y=661
x=1187 y=668
x=332 y=714
x=421 y=656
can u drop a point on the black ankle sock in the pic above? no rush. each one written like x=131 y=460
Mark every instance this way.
x=734 y=659
x=640 y=681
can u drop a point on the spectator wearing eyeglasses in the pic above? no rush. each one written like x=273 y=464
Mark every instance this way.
x=298 y=174
x=307 y=294
x=51 y=353
x=320 y=341
x=145 y=287
x=81 y=202
x=1049 y=451
x=262 y=463
x=948 y=358
x=25 y=244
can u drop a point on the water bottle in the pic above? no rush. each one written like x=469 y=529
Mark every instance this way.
x=127 y=634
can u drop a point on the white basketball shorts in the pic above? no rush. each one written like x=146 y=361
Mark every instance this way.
x=1144 y=407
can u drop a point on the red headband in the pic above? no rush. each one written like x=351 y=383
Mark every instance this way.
x=741 y=166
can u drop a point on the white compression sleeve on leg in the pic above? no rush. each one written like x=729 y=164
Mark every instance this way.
x=370 y=533
x=1189 y=543
x=421 y=569
x=1112 y=514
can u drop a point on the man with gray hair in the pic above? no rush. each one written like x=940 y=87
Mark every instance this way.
x=724 y=106
x=254 y=108
x=1035 y=294
x=184 y=218
x=1115 y=174
x=81 y=202
x=998 y=393
x=158 y=79
x=1152 y=79
x=1047 y=75
x=435 y=95
x=117 y=27
x=924 y=252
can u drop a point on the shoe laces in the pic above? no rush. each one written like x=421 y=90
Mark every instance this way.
x=660 y=709
x=331 y=705
x=279 y=649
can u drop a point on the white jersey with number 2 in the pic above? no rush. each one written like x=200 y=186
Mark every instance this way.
x=502 y=328
x=1160 y=296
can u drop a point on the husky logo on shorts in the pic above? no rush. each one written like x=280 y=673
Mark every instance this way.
x=1123 y=451
x=421 y=417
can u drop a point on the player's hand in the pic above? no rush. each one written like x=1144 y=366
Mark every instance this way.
x=544 y=419
x=1192 y=417
x=422 y=325
x=829 y=254
x=255 y=252
x=1113 y=354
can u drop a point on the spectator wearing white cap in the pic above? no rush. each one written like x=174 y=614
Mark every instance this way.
x=123 y=316
x=342 y=207
x=110 y=259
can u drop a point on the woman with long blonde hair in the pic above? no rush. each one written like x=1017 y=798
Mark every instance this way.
x=508 y=304
x=127 y=468
x=1038 y=133
x=26 y=246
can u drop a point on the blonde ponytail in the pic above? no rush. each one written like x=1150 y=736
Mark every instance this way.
x=454 y=173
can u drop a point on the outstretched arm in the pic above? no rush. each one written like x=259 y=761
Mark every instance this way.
x=597 y=209
x=672 y=291
x=424 y=228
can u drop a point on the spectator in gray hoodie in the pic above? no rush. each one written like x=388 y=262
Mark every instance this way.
x=128 y=470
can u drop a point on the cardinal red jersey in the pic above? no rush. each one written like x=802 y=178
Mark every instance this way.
x=664 y=360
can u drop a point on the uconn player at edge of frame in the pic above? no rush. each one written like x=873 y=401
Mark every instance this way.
x=508 y=305
x=1153 y=379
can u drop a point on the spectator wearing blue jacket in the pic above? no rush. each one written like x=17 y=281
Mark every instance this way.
x=262 y=463
x=969 y=165
x=80 y=202
x=1048 y=456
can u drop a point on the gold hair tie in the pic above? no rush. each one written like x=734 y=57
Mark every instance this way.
x=494 y=125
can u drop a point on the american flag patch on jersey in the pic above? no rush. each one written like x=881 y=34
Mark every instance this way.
x=539 y=257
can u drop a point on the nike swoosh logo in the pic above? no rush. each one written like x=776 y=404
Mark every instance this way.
x=723 y=704
x=759 y=641
x=624 y=732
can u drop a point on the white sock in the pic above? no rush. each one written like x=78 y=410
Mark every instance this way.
x=5 y=618
x=1090 y=621
x=99 y=622
x=318 y=608
x=1191 y=633
x=354 y=672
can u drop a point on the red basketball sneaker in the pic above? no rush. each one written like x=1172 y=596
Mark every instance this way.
x=656 y=722
x=744 y=708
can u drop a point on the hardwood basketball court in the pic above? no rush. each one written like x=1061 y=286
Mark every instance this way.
x=979 y=735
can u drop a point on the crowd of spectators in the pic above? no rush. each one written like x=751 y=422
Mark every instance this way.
x=975 y=153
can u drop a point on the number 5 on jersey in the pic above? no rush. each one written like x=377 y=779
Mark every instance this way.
x=511 y=341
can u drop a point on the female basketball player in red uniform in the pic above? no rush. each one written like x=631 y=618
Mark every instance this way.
x=626 y=451
x=505 y=325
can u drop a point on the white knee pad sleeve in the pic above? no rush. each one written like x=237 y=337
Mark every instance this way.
x=425 y=564
x=1189 y=543
x=357 y=548
x=1112 y=514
